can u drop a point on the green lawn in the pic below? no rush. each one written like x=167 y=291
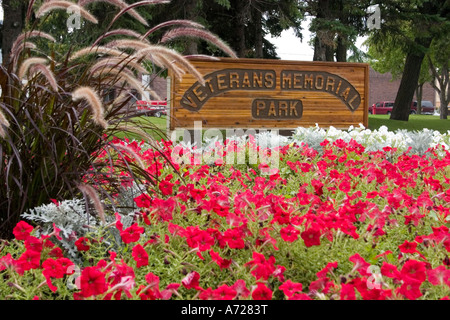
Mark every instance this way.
x=415 y=123
x=155 y=127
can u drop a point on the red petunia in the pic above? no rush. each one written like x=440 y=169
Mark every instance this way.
x=360 y=265
x=207 y=294
x=262 y=268
x=92 y=282
x=347 y=292
x=389 y=270
x=166 y=187
x=300 y=296
x=328 y=268
x=191 y=280
x=152 y=280
x=311 y=237
x=233 y=237
x=163 y=209
x=318 y=187
x=82 y=244
x=410 y=289
x=145 y=293
x=56 y=253
x=223 y=263
x=372 y=194
x=33 y=244
x=6 y=262
x=224 y=292
x=132 y=233
x=289 y=233
x=119 y=224
x=415 y=270
x=345 y=186
x=30 y=259
x=22 y=230
x=56 y=232
x=143 y=201
x=408 y=247
x=171 y=288
x=290 y=288
x=261 y=292
x=279 y=273
x=140 y=256
x=203 y=240
x=53 y=268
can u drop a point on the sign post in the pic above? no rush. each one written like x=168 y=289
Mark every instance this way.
x=278 y=94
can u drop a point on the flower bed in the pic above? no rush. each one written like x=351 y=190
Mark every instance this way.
x=337 y=221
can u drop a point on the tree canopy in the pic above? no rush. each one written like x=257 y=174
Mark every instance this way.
x=412 y=35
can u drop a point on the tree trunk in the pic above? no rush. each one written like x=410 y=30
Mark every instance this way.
x=190 y=7
x=239 y=18
x=341 y=50
x=342 y=39
x=323 y=42
x=419 y=95
x=445 y=100
x=257 y=22
x=442 y=86
x=408 y=84
x=13 y=24
x=444 y=92
x=319 y=48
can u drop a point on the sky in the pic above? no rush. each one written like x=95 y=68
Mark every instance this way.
x=289 y=46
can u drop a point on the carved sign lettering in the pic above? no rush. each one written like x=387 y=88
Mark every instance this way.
x=277 y=109
x=221 y=81
x=225 y=80
x=321 y=81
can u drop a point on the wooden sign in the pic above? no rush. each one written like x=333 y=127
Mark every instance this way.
x=257 y=93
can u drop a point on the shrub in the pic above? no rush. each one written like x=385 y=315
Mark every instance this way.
x=55 y=118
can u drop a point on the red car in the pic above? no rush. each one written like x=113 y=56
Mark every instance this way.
x=382 y=107
x=153 y=108
x=385 y=107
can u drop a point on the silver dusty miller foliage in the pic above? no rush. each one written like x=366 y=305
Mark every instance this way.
x=72 y=218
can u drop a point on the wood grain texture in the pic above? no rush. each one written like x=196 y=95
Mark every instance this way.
x=278 y=94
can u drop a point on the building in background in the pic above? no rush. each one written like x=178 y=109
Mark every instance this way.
x=383 y=88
